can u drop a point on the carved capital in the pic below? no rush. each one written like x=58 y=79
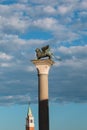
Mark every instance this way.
x=43 y=66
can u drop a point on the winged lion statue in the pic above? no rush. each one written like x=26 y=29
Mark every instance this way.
x=43 y=52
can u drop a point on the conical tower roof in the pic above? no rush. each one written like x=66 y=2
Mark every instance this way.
x=29 y=113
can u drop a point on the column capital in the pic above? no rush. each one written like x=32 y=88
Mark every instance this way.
x=43 y=65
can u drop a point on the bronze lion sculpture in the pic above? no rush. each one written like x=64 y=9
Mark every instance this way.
x=43 y=52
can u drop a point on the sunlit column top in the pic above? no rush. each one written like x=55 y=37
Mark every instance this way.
x=43 y=66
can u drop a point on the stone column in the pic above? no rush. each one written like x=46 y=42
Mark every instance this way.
x=43 y=67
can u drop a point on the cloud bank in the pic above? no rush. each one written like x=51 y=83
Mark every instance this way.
x=26 y=25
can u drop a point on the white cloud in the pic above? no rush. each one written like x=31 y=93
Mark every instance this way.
x=64 y=9
x=58 y=30
x=75 y=63
x=30 y=68
x=23 y=1
x=36 y=41
x=83 y=4
x=12 y=18
x=73 y=49
x=73 y=56
x=14 y=99
x=46 y=23
x=4 y=56
x=13 y=81
x=49 y=10
x=13 y=24
x=5 y=65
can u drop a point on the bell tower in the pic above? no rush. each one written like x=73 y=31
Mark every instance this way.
x=29 y=120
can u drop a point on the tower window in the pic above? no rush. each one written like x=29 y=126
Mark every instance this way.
x=31 y=121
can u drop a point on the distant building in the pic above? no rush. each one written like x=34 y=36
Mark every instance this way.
x=29 y=120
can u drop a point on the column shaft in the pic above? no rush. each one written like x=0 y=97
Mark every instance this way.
x=43 y=67
x=43 y=102
x=43 y=86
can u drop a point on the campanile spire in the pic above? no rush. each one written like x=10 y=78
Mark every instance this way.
x=29 y=120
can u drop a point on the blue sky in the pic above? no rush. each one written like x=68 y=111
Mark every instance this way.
x=28 y=24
